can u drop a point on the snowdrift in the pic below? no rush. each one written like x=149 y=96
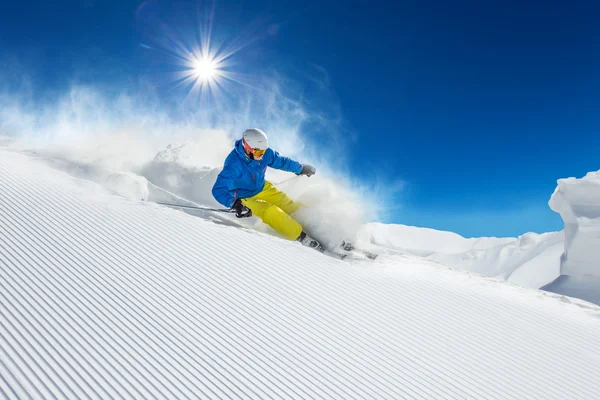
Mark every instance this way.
x=108 y=297
x=531 y=260
x=578 y=203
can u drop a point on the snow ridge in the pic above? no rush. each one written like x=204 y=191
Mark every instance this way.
x=531 y=260
x=104 y=297
x=578 y=203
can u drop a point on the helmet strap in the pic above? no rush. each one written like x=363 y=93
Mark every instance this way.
x=246 y=147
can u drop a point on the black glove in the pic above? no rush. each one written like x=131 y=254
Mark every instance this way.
x=241 y=211
x=307 y=170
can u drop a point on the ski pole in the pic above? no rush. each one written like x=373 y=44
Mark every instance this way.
x=285 y=180
x=225 y=210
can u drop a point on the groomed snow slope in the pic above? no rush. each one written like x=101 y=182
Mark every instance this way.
x=103 y=297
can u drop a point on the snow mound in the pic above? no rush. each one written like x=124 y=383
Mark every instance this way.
x=531 y=260
x=578 y=203
x=426 y=242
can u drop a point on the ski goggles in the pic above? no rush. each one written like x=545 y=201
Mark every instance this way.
x=257 y=153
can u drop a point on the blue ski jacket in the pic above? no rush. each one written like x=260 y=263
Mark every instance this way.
x=244 y=177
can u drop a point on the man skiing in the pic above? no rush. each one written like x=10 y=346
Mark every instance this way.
x=241 y=186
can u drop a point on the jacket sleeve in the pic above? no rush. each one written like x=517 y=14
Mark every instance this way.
x=284 y=163
x=224 y=190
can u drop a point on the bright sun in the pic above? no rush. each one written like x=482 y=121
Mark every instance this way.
x=205 y=70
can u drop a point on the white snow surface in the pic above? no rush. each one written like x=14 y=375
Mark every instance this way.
x=105 y=296
x=531 y=260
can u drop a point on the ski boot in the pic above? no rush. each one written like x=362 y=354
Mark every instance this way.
x=310 y=242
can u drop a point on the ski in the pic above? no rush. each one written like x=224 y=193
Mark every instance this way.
x=349 y=247
x=335 y=254
x=347 y=251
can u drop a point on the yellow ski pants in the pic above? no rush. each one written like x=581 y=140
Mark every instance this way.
x=274 y=207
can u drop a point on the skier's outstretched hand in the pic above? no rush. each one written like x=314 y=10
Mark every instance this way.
x=307 y=170
x=241 y=211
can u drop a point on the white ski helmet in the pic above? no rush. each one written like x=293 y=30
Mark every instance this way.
x=256 y=138
x=255 y=143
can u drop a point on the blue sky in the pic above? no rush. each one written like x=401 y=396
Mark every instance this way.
x=477 y=108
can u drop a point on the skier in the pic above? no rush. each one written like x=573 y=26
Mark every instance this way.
x=241 y=186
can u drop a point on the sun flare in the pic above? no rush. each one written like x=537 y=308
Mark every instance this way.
x=204 y=66
x=205 y=70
